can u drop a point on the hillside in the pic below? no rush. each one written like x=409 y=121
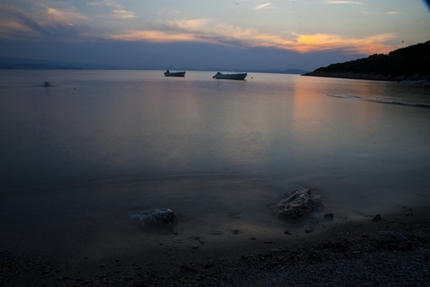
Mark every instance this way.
x=409 y=63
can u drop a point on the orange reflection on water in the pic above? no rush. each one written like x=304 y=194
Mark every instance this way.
x=309 y=114
x=319 y=125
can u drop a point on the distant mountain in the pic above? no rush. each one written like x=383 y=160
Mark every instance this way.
x=409 y=63
x=19 y=63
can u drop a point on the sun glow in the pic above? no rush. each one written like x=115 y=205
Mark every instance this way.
x=324 y=42
x=227 y=34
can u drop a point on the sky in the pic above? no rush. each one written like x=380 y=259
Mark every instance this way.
x=210 y=35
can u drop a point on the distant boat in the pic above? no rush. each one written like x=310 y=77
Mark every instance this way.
x=234 y=76
x=174 y=74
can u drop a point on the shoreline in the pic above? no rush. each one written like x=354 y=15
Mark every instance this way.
x=395 y=250
x=363 y=76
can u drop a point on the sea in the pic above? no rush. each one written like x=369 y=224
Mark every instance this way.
x=79 y=157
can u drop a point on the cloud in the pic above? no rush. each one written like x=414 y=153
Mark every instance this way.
x=39 y=21
x=303 y=43
x=192 y=24
x=102 y=3
x=63 y=17
x=14 y=29
x=201 y=30
x=193 y=30
x=326 y=42
x=265 y=5
x=160 y=37
x=342 y=2
x=120 y=14
x=118 y=11
x=66 y=23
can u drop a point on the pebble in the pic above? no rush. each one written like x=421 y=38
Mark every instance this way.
x=355 y=262
x=329 y=216
x=377 y=218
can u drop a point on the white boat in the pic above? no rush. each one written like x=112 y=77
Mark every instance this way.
x=174 y=74
x=233 y=76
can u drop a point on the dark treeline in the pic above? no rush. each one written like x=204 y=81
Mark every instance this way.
x=411 y=62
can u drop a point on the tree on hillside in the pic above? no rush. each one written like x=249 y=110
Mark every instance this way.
x=403 y=62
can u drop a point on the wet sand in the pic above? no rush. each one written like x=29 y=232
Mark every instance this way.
x=394 y=251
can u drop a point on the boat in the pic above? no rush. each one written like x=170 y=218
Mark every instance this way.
x=174 y=74
x=232 y=76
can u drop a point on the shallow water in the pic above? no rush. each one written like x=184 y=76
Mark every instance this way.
x=78 y=156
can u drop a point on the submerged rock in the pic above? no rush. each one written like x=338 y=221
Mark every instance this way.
x=329 y=216
x=377 y=218
x=155 y=217
x=297 y=203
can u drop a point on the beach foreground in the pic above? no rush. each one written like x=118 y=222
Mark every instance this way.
x=394 y=251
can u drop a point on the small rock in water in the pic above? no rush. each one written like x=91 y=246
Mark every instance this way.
x=297 y=203
x=409 y=212
x=377 y=218
x=329 y=216
x=155 y=217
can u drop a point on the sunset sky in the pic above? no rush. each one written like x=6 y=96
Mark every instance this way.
x=210 y=35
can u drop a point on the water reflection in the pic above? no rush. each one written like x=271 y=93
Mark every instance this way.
x=218 y=153
x=112 y=125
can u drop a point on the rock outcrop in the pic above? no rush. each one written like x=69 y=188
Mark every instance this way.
x=298 y=203
x=155 y=217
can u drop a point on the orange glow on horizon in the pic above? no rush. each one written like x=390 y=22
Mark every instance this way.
x=326 y=42
x=304 y=43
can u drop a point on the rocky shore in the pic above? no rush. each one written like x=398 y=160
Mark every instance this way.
x=364 y=76
x=392 y=251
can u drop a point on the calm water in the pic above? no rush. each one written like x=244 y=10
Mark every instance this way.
x=99 y=144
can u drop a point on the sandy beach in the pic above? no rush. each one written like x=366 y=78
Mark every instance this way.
x=394 y=251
